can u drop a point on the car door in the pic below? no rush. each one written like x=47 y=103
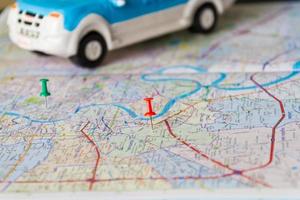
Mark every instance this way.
x=136 y=20
x=124 y=10
x=162 y=12
x=123 y=16
x=150 y=6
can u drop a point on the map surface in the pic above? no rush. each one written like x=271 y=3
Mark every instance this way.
x=227 y=104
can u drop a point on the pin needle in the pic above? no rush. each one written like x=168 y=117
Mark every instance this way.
x=45 y=93
x=150 y=112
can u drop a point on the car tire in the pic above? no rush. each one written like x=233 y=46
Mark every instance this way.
x=91 y=52
x=39 y=53
x=205 y=19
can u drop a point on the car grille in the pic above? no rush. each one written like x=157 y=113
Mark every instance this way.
x=29 y=18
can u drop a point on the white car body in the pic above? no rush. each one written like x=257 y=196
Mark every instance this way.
x=51 y=37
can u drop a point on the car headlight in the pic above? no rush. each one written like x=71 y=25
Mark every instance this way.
x=55 y=14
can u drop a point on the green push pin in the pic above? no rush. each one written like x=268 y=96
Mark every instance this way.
x=45 y=93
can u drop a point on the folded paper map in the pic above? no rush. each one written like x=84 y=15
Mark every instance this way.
x=227 y=123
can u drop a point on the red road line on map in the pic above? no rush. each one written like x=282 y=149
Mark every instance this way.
x=233 y=171
x=93 y=179
x=273 y=138
x=123 y=179
x=195 y=149
x=218 y=163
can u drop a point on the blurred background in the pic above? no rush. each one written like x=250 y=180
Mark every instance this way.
x=4 y=3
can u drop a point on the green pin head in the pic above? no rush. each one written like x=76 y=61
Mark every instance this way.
x=44 y=92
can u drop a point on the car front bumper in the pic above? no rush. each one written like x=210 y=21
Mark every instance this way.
x=49 y=45
x=35 y=33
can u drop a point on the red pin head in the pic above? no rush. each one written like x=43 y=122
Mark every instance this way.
x=150 y=112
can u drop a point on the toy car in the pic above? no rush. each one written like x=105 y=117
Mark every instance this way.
x=84 y=30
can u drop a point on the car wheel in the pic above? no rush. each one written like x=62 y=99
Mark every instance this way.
x=205 y=19
x=91 y=51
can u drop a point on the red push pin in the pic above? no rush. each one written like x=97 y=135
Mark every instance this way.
x=150 y=112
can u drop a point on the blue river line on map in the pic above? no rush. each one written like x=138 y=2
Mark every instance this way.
x=147 y=78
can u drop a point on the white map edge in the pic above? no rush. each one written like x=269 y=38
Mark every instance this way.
x=227 y=194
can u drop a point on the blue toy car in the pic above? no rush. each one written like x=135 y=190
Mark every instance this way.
x=84 y=30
